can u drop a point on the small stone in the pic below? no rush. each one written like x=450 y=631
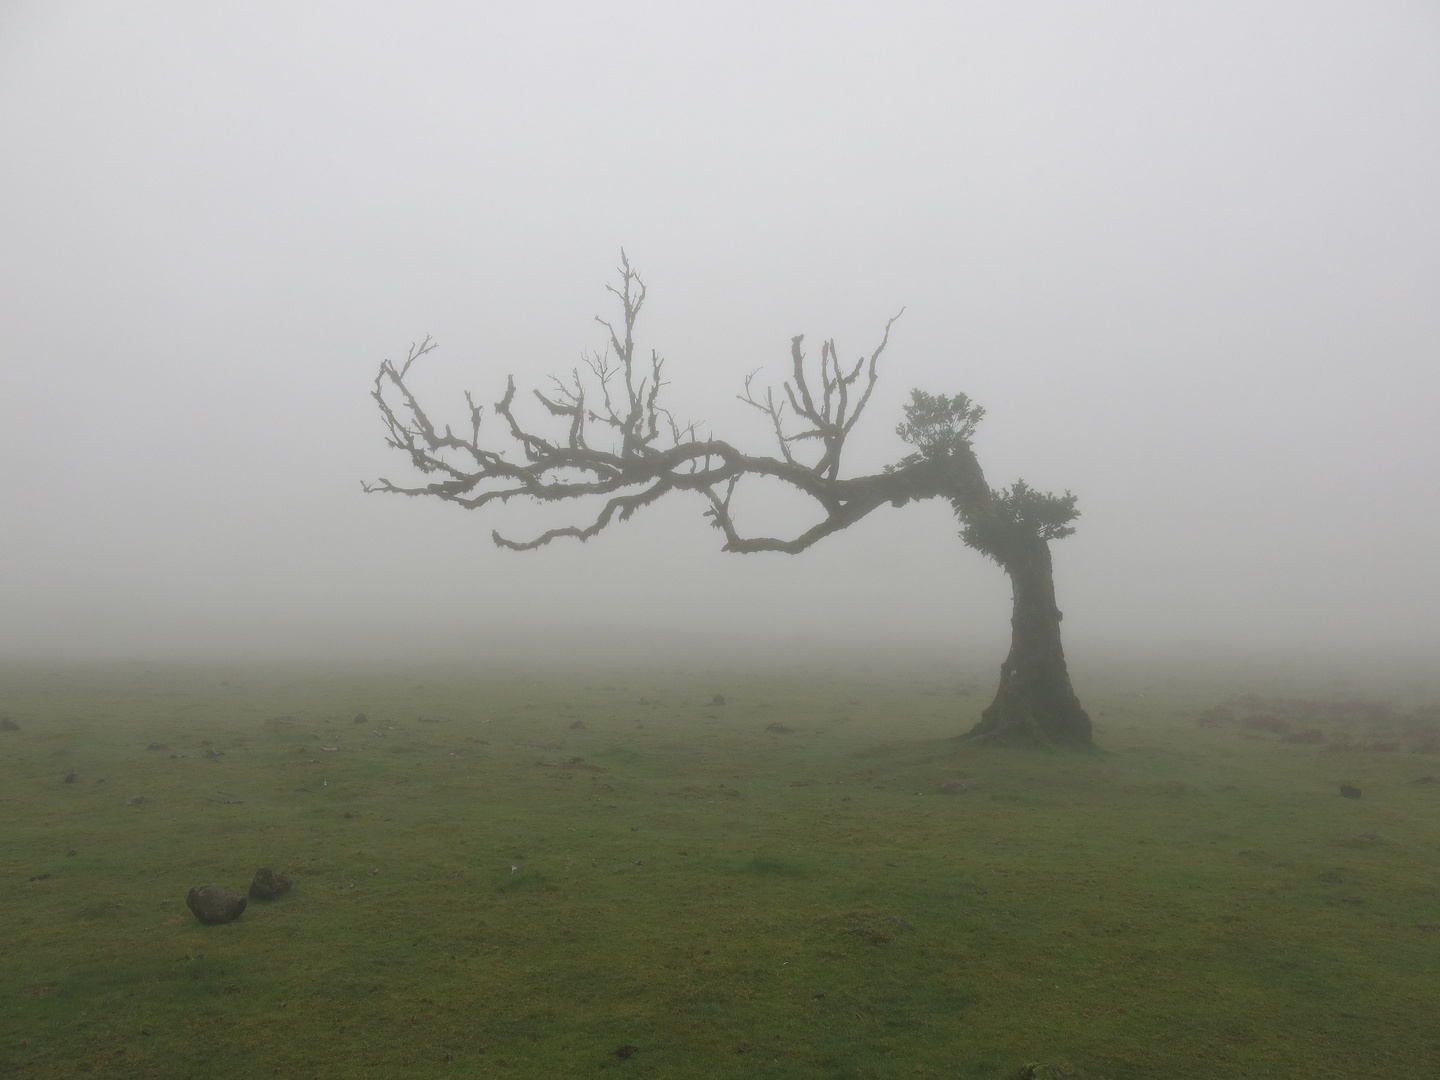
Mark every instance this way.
x=873 y=934
x=953 y=787
x=577 y=725
x=213 y=905
x=157 y=746
x=718 y=699
x=778 y=728
x=136 y=800
x=360 y=719
x=71 y=776
x=268 y=885
x=6 y=724
x=1349 y=792
x=626 y=1052
x=1427 y=780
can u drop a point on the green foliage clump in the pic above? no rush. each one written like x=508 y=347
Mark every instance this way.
x=1016 y=515
x=938 y=425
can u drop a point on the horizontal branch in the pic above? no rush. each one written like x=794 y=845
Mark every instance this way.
x=615 y=442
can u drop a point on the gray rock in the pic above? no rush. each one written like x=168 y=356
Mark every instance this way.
x=718 y=699
x=213 y=905
x=778 y=728
x=157 y=746
x=268 y=885
x=953 y=787
x=1349 y=792
x=6 y=724
x=71 y=776
x=136 y=800
x=360 y=719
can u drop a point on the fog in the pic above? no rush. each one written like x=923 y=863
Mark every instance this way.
x=1186 y=255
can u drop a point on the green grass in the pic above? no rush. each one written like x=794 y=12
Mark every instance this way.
x=483 y=888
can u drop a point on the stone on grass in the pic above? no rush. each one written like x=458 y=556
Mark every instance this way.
x=1037 y=1071
x=136 y=800
x=360 y=719
x=268 y=885
x=71 y=776
x=213 y=905
x=718 y=699
x=157 y=746
x=953 y=787
x=778 y=728
x=626 y=1052
x=6 y=724
x=577 y=725
x=1349 y=792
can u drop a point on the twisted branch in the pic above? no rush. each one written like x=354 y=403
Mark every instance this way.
x=648 y=453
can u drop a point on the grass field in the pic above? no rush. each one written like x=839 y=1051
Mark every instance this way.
x=512 y=875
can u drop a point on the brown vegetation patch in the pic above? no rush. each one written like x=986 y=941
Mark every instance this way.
x=1343 y=724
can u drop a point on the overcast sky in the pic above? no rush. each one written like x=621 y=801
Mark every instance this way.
x=1186 y=254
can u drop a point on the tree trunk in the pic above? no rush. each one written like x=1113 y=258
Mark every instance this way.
x=1035 y=705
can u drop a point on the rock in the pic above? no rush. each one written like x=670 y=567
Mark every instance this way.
x=268 y=885
x=1427 y=780
x=577 y=725
x=6 y=724
x=360 y=719
x=1349 y=792
x=213 y=905
x=953 y=787
x=718 y=699
x=778 y=728
x=626 y=1052
x=136 y=800
x=1037 y=1071
x=157 y=746
x=71 y=776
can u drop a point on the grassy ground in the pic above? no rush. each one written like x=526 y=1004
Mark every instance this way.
x=516 y=876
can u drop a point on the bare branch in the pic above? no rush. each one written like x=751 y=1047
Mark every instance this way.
x=652 y=453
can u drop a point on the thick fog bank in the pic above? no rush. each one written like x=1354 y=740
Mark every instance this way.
x=1186 y=255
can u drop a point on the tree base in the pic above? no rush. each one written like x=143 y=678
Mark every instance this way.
x=1052 y=720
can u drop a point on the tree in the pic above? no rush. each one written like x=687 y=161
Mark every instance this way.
x=614 y=443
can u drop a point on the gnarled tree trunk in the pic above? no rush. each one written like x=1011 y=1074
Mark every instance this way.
x=1035 y=704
